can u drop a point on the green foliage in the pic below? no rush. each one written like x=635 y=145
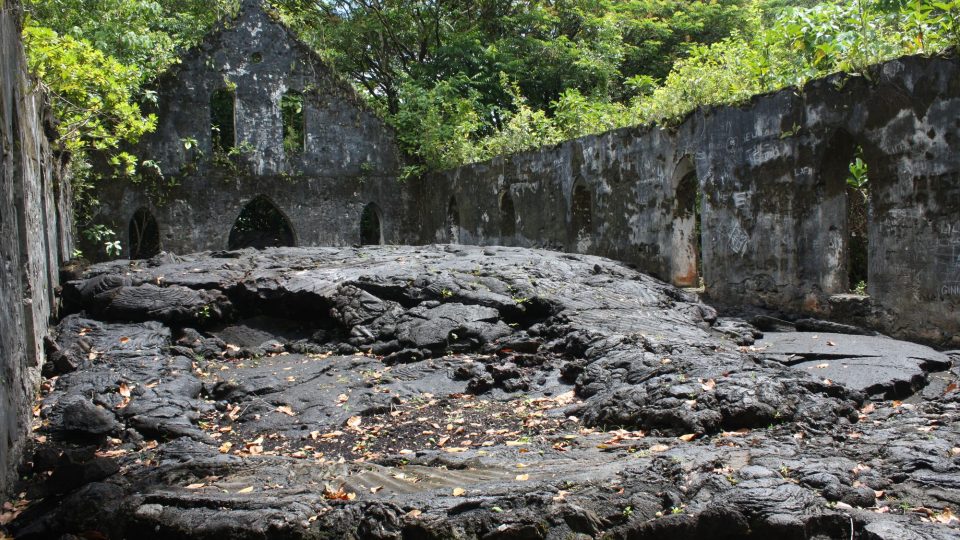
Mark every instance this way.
x=575 y=115
x=860 y=289
x=291 y=110
x=464 y=81
x=524 y=128
x=93 y=94
x=93 y=58
x=102 y=235
x=436 y=124
x=858 y=173
x=724 y=72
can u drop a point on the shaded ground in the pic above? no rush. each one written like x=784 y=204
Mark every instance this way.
x=459 y=392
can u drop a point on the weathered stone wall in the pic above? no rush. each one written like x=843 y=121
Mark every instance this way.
x=35 y=235
x=348 y=161
x=772 y=177
x=751 y=201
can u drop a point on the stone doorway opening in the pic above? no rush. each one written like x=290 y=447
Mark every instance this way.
x=144 y=235
x=261 y=224
x=686 y=249
x=371 y=230
x=453 y=221
x=508 y=218
x=846 y=195
x=581 y=218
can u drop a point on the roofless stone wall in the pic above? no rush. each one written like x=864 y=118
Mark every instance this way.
x=765 y=184
x=252 y=115
x=751 y=201
x=35 y=236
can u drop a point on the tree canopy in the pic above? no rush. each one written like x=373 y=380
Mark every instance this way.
x=464 y=81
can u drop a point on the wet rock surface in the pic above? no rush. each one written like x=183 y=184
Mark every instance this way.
x=461 y=392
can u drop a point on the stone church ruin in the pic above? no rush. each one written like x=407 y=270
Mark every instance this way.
x=253 y=126
x=297 y=344
x=752 y=200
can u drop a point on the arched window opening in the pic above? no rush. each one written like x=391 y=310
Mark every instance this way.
x=508 y=217
x=371 y=231
x=260 y=225
x=144 y=235
x=581 y=213
x=687 y=238
x=222 y=119
x=294 y=125
x=453 y=221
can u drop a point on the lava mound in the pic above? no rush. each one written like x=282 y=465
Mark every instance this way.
x=466 y=392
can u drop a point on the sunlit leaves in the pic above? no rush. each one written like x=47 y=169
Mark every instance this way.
x=462 y=81
x=92 y=93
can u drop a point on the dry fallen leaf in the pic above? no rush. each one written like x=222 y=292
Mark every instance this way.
x=709 y=385
x=375 y=489
x=225 y=447
x=459 y=492
x=248 y=489
x=946 y=517
x=831 y=344
x=196 y=486
x=952 y=387
x=125 y=390
x=868 y=408
x=338 y=494
x=659 y=448
x=285 y=409
x=234 y=412
x=414 y=513
x=523 y=477
x=124 y=339
x=688 y=437
x=354 y=421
